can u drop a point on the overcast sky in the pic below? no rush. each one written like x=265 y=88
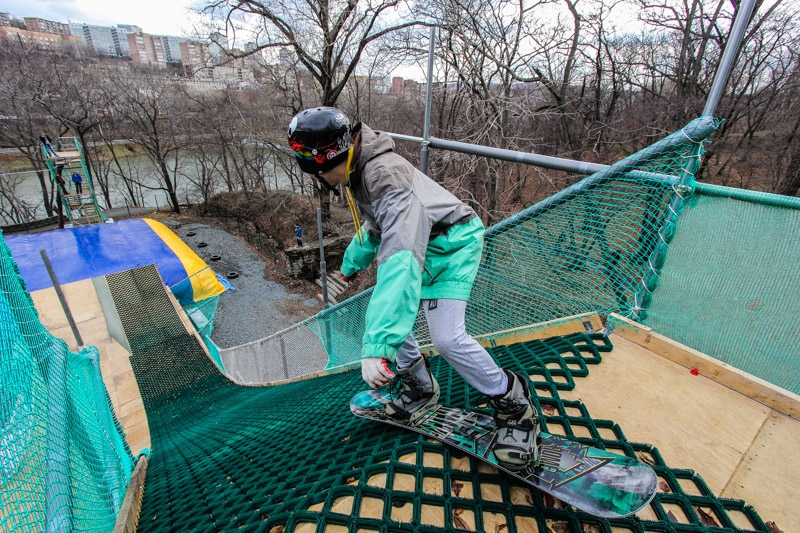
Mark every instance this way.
x=157 y=17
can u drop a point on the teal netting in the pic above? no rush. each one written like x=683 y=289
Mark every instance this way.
x=227 y=457
x=293 y=458
x=732 y=286
x=202 y=315
x=601 y=246
x=64 y=464
x=597 y=246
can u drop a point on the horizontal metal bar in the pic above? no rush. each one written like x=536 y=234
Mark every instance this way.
x=544 y=161
x=758 y=197
x=696 y=131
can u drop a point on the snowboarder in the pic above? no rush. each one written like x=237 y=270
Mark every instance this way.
x=428 y=246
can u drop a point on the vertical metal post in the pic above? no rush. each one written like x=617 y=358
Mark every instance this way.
x=728 y=56
x=426 y=132
x=61 y=298
x=323 y=272
x=283 y=356
x=58 y=514
x=323 y=275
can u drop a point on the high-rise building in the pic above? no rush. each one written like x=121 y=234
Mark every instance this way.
x=147 y=49
x=121 y=45
x=98 y=38
x=45 y=41
x=196 y=59
x=130 y=28
x=39 y=33
x=104 y=39
x=172 y=48
x=46 y=26
x=398 y=86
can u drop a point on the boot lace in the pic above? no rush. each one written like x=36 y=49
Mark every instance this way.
x=395 y=387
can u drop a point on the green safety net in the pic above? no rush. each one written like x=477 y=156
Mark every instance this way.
x=732 y=286
x=597 y=246
x=293 y=458
x=64 y=464
x=202 y=315
x=227 y=457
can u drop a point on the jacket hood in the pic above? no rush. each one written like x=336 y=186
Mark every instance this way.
x=373 y=144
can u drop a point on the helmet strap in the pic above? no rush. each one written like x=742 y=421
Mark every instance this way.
x=334 y=190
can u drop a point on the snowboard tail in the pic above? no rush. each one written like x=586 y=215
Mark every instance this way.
x=598 y=482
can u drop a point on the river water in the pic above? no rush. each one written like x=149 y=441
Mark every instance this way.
x=24 y=187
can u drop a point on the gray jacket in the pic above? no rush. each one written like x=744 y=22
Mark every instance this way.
x=400 y=205
x=427 y=242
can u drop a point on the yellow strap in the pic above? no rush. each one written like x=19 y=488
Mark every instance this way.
x=351 y=203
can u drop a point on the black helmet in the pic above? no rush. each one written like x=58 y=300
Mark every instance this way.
x=320 y=138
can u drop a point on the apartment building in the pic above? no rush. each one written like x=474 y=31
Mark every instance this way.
x=46 y=26
x=105 y=40
x=196 y=59
x=147 y=49
x=39 y=33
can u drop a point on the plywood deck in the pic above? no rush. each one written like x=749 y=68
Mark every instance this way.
x=114 y=359
x=736 y=432
x=742 y=448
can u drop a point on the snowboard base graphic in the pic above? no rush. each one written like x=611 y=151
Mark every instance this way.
x=595 y=481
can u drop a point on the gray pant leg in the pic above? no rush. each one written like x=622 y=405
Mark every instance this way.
x=408 y=353
x=449 y=336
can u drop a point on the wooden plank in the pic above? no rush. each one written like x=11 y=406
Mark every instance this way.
x=334 y=288
x=128 y=516
x=695 y=422
x=773 y=470
x=749 y=385
x=587 y=322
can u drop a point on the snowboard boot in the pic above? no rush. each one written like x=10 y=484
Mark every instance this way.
x=518 y=425
x=420 y=392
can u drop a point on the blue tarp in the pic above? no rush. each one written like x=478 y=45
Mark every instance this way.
x=97 y=250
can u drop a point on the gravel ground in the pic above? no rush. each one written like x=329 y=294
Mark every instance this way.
x=257 y=307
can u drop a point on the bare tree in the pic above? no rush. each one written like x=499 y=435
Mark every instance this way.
x=326 y=37
x=152 y=110
x=23 y=118
x=513 y=65
x=13 y=208
x=69 y=90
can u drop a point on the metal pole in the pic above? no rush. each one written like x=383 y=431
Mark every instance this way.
x=729 y=56
x=323 y=275
x=61 y=298
x=545 y=161
x=58 y=514
x=283 y=356
x=423 y=157
x=323 y=271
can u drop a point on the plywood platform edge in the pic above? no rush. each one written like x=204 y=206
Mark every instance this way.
x=772 y=396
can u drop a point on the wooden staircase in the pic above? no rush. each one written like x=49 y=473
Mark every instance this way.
x=84 y=204
x=82 y=208
x=336 y=286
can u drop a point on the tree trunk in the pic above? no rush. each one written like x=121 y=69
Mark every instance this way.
x=790 y=184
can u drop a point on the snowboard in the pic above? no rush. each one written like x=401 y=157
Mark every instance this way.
x=598 y=482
